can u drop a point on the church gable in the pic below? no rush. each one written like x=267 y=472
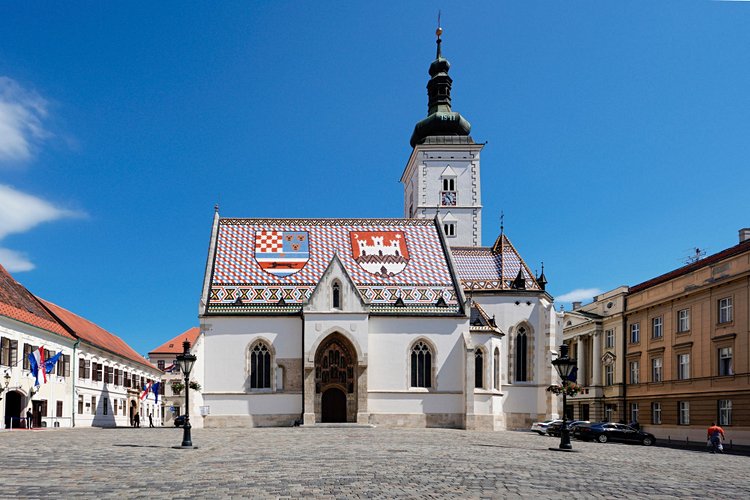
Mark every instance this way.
x=274 y=265
x=336 y=292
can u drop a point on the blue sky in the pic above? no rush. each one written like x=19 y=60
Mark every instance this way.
x=617 y=134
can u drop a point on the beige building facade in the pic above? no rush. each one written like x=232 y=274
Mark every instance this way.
x=689 y=363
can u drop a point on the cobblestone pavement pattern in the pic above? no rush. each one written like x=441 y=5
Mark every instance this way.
x=352 y=463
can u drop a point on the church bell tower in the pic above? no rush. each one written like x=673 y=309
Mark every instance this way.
x=442 y=175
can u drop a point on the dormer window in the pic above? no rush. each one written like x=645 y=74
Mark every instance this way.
x=449 y=184
x=450 y=229
x=336 y=291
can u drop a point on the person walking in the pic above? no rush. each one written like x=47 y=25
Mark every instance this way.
x=29 y=419
x=151 y=419
x=137 y=419
x=715 y=435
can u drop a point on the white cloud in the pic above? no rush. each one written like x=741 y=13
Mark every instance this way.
x=21 y=212
x=21 y=114
x=579 y=294
x=15 y=262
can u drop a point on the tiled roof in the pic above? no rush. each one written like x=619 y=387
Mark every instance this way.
x=711 y=259
x=491 y=268
x=174 y=346
x=17 y=303
x=95 y=335
x=480 y=322
x=272 y=263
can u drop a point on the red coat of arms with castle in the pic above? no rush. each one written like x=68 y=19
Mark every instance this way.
x=383 y=253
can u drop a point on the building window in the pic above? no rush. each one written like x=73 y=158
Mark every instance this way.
x=683 y=366
x=260 y=367
x=634 y=410
x=635 y=333
x=93 y=405
x=105 y=406
x=656 y=328
x=656 y=370
x=683 y=413
x=80 y=405
x=59 y=409
x=449 y=184
x=336 y=295
x=8 y=352
x=27 y=349
x=609 y=375
x=634 y=368
x=450 y=229
x=656 y=413
x=683 y=320
x=725 y=362
x=609 y=412
x=421 y=365
x=160 y=364
x=609 y=339
x=521 y=355
x=496 y=362
x=725 y=310
x=725 y=412
x=478 y=369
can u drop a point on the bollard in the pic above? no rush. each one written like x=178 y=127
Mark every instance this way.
x=669 y=439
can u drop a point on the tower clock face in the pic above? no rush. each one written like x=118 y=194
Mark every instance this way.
x=448 y=198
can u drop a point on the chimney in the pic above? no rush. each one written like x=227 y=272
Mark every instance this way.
x=576 y=305
x=744 y=234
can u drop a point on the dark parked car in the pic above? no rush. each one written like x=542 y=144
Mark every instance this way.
x=179 y=421
x=608 y=431
x=554 y=428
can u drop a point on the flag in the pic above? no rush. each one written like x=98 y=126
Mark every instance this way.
x=49 y=365
x=155 y=390
x=36 y=360
x=170 y=368
x=146 y=390
x=573 y=374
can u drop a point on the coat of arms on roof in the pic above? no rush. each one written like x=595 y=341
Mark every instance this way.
x=282 y=253
x=382 y=253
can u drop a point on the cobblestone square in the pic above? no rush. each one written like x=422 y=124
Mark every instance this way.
x=351 y=463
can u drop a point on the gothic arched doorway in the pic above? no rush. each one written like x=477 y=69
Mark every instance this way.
x=336 y=380
x=333 y=405
x=13 y=409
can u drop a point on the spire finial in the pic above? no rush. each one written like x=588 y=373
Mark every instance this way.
x=438 y=32
x=216 y=207
x=502 y=222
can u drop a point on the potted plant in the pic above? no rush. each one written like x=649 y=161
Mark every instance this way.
x=177 y=386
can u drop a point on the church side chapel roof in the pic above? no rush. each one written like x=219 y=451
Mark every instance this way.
x=481 y=322
x=273 y=265
x=17 y=303
x=493 y=268
x=96 y=335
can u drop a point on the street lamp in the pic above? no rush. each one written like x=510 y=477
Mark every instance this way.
x=564 y=365
x=6 y=381
x=186 y=362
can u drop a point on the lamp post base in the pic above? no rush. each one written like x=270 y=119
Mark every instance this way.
x=569 y=450
x=185 y=447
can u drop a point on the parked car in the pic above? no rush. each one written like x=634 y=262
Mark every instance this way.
x=179 y=421
x=608 y=431
x=541 y=427
x=555 y=428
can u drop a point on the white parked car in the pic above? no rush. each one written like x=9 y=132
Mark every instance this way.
x=541 y=427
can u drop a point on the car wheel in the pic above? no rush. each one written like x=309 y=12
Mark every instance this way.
x=602 y=438
x=540 y=433
x=647 y=441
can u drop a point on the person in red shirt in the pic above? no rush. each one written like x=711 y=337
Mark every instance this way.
x=715 y=437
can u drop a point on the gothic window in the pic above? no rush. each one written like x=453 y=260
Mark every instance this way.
x=336 y=295
x=421 y=365
x=521 y=355
x=260 y=366
x=478 y=369
x=496 y=362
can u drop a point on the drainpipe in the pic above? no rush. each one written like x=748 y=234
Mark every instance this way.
x=302 y=415
x=625 y=374
x=73 y=375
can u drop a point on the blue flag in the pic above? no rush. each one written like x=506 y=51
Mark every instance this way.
x=49 y=365
x=155 y=390
x=573 y=374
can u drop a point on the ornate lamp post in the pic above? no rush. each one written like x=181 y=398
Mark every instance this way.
x=564 y=365
x=186 y=362
x=6 y=382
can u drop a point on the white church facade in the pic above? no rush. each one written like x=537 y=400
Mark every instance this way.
x=396 y=322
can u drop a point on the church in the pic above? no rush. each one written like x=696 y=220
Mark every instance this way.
x=404 y=322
